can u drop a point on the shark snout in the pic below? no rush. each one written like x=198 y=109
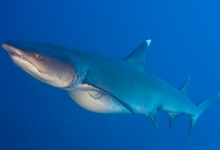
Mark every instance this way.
x=5 y=46
x=12 y=51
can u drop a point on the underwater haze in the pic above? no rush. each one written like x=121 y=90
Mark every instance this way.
x=185 y=43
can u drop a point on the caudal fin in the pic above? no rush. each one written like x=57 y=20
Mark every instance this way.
x=202 y=106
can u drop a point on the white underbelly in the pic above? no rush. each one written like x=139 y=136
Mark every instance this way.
x=96 y=101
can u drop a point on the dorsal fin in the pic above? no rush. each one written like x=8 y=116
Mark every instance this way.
x=184 y=88
x=137 y=57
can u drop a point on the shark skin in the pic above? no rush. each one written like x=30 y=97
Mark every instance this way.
x=105 y=84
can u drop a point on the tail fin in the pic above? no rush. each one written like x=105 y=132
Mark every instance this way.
x=202 y=106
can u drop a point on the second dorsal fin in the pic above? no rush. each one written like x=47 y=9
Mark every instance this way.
x=184 y=88
x=137 y=57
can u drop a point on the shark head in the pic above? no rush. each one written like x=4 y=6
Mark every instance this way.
x=46 y=64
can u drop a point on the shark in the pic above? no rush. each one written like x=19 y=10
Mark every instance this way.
x=105 y=84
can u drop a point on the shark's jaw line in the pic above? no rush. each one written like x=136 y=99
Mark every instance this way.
x=103 y=84
x=20 y=61
x=13 y=52
x=18 y=58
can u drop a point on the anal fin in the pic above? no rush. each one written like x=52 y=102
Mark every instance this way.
x=173 y=117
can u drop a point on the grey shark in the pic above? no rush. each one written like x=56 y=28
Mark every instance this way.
x=104 y=84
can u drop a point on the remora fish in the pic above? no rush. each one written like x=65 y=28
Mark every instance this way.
x=104 y=84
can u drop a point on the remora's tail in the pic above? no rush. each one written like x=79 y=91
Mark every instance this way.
x=202 y=106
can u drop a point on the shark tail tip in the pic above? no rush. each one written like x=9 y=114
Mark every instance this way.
x=201 y=106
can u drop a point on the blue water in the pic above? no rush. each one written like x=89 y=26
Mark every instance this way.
x=185 y=43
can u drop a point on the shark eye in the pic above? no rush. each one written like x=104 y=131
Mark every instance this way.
x=38 y=56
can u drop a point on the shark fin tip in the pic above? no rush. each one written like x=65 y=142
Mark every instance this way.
x=148 y=41
x=137 y=57
x=184 y=88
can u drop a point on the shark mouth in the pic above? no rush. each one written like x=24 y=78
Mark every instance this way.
x=18 y=58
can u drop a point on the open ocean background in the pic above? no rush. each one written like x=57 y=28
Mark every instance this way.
x=185 y=43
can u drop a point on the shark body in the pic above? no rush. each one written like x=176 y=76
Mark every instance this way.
x=104 y=84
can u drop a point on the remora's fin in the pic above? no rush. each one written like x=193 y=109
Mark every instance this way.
x=184 y=88
x=137 y=57
x=202 y=106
